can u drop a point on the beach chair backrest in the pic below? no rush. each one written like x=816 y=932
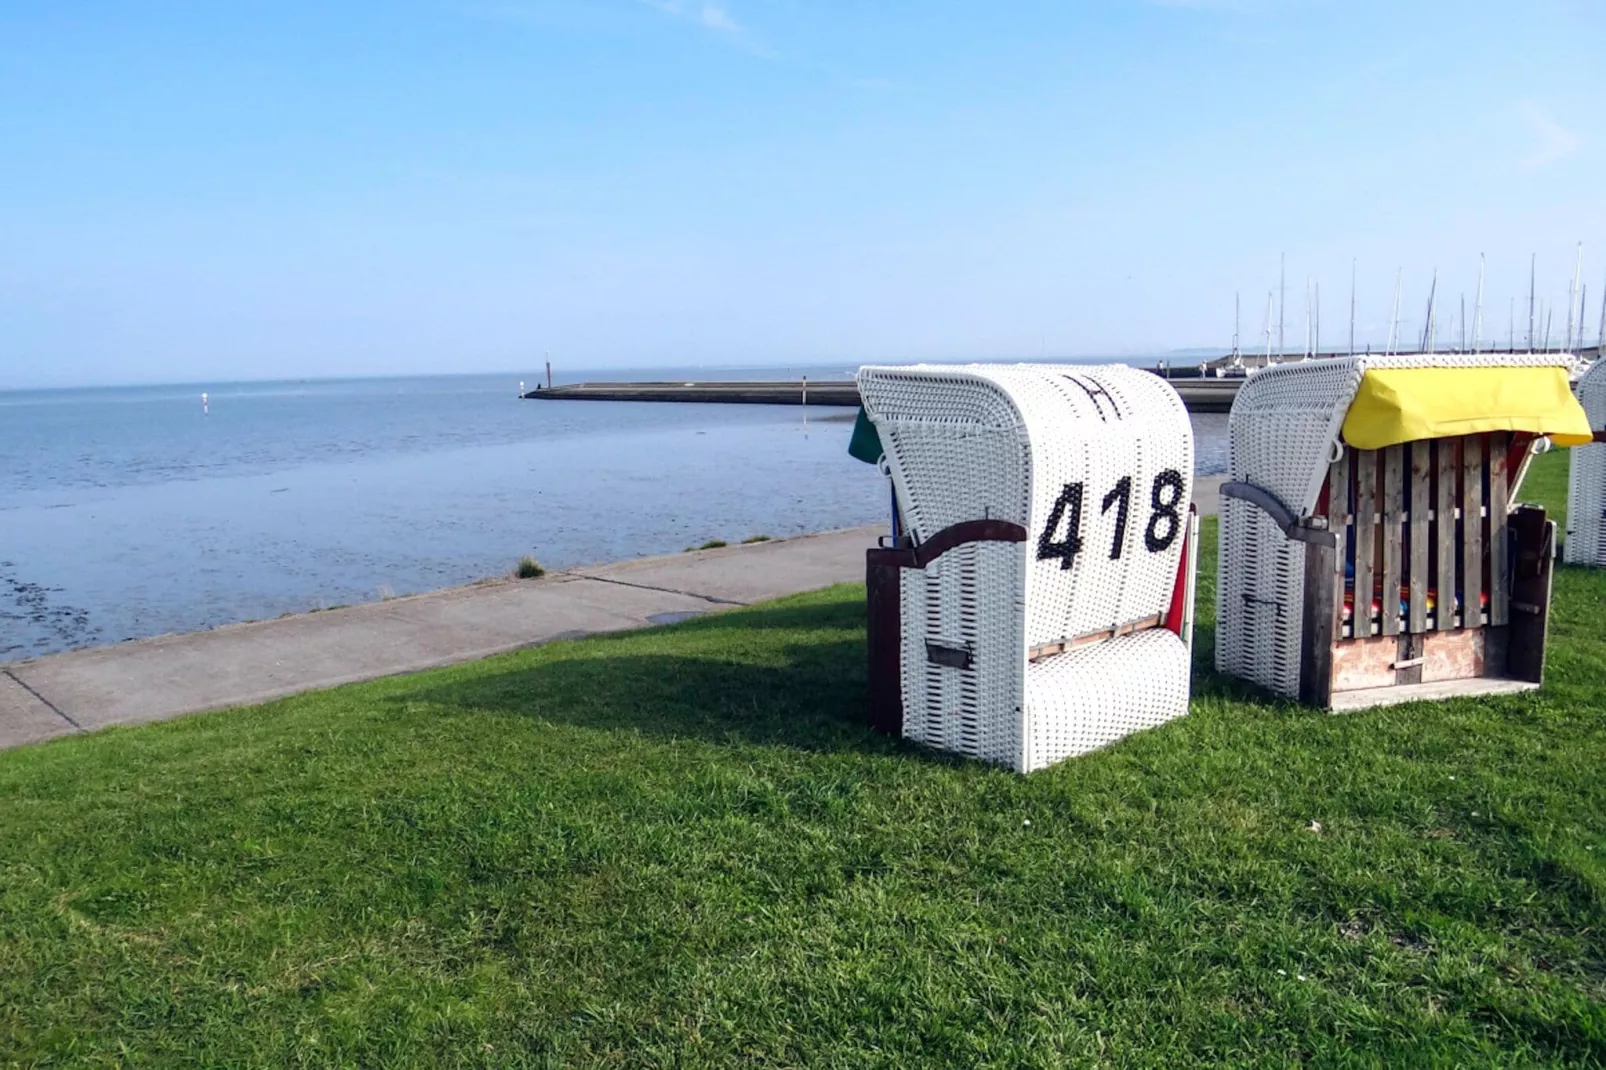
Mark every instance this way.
x=1096 y=463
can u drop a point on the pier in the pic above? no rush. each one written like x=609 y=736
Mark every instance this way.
x=1207 y=386
x=1200 y=395
x=831 y=392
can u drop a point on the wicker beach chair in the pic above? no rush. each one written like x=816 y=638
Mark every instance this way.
x=1371 y=547
x=1035 y=600
x=1586 y=484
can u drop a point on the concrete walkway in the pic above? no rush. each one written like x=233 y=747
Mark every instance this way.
x=242 y=664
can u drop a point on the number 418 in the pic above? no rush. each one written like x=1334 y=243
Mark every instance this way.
x=1165 y=520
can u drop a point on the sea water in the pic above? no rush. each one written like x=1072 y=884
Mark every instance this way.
x=132 y=512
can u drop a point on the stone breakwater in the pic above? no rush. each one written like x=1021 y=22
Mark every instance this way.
x=1199 y=395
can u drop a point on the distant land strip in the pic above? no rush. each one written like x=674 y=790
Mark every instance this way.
x=1200 y=395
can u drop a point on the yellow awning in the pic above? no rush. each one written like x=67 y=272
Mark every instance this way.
x=1397 y=405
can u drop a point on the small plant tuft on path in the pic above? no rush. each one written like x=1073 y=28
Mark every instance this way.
x=529 y=569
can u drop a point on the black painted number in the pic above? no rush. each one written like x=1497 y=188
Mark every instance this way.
x=1070 y=500
x=1122 y=493
x=1164 y=511
x=1165 y=522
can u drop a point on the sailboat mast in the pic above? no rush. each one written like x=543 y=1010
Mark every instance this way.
x=1282 y=298
x=1600 y=338
x=1477 y=308
x=1307 y=317
x=1316 y=345
x=1572 y=294
x=1236 y=320
x=1427 y=328
x=1352 y=308
x=1533 y=259
x=1583 y=295
x=1394 y=320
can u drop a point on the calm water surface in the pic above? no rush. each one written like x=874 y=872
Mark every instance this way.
x=128 y=512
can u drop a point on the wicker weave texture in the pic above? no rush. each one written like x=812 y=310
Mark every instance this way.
x=955 y=444
x=1132 y=457
x=1586 y=485
x=962 y=601
x=1097 y=464
x=1280 y=436
x=1283 y=432
x=1094 y=695
x=1260 y=599
x=1010 y=442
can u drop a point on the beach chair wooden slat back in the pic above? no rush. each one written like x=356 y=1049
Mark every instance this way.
x=1472 y=470
x=1391 y=538
x=1406 y=568
x=1365 y=539
x=1499 y=526
x=1421 y=495
x=1341 y=520
x=1444 y=534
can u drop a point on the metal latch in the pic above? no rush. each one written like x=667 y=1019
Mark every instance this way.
x=954 y=657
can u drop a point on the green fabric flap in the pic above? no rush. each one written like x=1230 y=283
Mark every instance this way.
x=865 y=445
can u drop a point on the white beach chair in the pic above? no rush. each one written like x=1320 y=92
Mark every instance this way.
x=1586 y=483
x=1036 y=601
x=1371 y=547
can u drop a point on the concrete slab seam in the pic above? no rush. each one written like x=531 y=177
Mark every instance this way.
x=51 y=706
x=667 y=590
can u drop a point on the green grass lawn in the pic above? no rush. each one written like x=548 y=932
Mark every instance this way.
x=680 y=847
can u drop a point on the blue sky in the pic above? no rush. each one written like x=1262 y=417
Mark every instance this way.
x=212 y=191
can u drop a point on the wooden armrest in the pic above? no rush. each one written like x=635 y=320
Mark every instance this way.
x=945 y=540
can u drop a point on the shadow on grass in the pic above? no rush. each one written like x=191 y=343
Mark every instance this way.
x=728 y=677
x=756 y=687
x=1206 y=682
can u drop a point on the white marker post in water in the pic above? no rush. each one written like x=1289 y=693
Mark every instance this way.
x=521 y=388
x=204 y=410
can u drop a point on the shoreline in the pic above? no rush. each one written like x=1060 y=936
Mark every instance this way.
x=244 y=664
